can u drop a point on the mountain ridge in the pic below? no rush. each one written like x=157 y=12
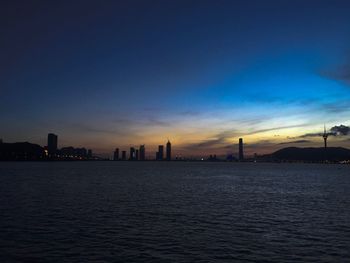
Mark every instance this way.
x=309 y=154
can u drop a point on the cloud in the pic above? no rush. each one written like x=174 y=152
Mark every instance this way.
x=293 y=142
x=211 y=143
x=340 y=72
x=340 y=130
x=276 y=128
x=219 y=140
x=337 y=107
x=307 y=135
x=222 y=140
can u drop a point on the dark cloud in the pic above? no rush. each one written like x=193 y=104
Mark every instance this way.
x=250 y=120
x=293 y=142
x=337 y=107
x=307 y=135
x=340 y=130
x=276 y=128
x=219 y=140
x=259 y=144
x=211 y=143
x=221 y=145
x=262 y=143
x=341 y=72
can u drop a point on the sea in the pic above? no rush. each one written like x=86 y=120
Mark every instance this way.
x=174 y=212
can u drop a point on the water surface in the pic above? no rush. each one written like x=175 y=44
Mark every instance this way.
x=174 y=212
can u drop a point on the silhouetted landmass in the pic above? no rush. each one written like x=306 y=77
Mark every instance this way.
x=21 y=151
x=332 y=154
x=25 y=151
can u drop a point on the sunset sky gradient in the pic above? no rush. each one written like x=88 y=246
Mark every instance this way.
x=107 y=74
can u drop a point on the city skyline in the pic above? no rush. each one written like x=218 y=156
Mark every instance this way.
x=202 y=73
x=53 y=151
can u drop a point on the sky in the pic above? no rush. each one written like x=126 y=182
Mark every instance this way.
x=107 y=74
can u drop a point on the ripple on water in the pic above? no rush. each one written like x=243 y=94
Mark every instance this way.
x=174 y=212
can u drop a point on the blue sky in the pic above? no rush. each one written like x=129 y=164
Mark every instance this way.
x=201 y=73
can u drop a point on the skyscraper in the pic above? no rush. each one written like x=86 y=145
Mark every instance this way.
x=240 y=154
x=116 y=154
x=123 y=155
x=52 y=144
x=142 y=153
x=160 y=153
x=132 y=154
x=168 y=151
x=137 y=155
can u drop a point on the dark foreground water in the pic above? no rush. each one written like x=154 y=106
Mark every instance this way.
x=174 y=212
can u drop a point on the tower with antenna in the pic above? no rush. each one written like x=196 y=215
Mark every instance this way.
x=325 y=137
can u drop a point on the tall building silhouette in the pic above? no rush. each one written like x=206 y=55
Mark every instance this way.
x=142 y=152
x=160 y=153
x=116 y=154
x=137 y=155
x=168 y=151
x=240 y=153
x=52 y=144
x=123 y=155
x=132 y=154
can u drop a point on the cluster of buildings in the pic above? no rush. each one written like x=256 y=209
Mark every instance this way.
x=65 y=153
x=164 y=154
x=140 y=153
x=28 y=151
x=229 y=157
x=134 y=154
x=25 y=151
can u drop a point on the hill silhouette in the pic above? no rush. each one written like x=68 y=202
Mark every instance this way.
x=21 y=151
x=309 y=154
